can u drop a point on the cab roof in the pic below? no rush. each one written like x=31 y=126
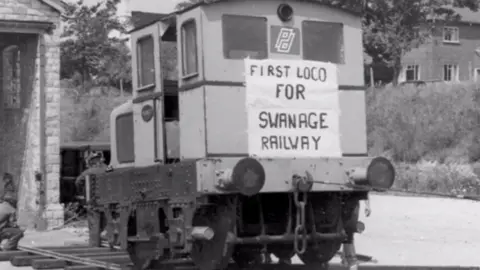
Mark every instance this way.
x=143 y=19
x=354 y=7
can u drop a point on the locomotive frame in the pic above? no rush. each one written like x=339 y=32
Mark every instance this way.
x=185 y=188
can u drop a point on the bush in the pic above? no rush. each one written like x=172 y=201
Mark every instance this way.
x=86 y=116
x=437 y=178
x=438 y=122
x=431 y=133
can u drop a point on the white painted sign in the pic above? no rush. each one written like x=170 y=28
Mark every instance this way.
x=293 y=108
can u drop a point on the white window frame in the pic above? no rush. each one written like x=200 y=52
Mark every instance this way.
x=140 y=65
x=185 y=73
x=455 y=34
x=454 y=73
x=416 y=72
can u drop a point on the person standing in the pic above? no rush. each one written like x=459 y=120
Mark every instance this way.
x=95 y=165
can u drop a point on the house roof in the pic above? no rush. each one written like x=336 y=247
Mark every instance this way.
x=141 y=19
x=58 y=5
x=464 y=15
x=467 y=15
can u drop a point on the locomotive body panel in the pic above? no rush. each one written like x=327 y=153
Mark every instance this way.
x=224 y=131
x=226 y=122
x=192 y=124
x=122 y=136
x=279 y=173
x=221 y=69
x=152 y=183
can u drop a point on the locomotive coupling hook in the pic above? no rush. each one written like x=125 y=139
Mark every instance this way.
x=302 y=183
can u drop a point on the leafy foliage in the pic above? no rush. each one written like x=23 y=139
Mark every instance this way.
x=89 y=52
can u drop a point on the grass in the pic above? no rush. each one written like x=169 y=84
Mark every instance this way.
x=431 y=133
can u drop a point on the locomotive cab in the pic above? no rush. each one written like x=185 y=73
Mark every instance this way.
x=255 y=144
x=145 y=130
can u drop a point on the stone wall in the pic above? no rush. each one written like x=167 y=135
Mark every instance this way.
x=21 y=133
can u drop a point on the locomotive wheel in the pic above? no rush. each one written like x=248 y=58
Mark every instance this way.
x=283 y=254
x=214 y=253
x=320 y=253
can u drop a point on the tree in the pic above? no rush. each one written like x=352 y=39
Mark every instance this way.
x=392 y=28
x=115 y=69
x=89 y=50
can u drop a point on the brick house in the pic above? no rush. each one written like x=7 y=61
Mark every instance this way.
x=29 y=101
x=453 y=54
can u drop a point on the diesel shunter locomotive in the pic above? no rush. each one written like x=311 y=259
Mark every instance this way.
x=253 y=145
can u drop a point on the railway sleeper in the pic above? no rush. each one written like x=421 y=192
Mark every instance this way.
x=26 y=260
x=55 y=263
x=29 y=259
x=8 y=255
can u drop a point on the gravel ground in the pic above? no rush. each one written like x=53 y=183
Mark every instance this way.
x=400 y=231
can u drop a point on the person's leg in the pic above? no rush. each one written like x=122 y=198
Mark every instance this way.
x=5 y=211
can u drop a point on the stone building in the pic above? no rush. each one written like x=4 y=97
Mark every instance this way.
x=30 y=106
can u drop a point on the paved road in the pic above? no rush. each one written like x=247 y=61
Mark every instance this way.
x=415 y=231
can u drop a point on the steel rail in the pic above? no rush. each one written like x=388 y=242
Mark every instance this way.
x=70 y=258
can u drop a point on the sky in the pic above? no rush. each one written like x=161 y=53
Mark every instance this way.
x=159 y=6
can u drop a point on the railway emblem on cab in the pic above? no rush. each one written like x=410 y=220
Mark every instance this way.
x=147 y=113
x=285 y=40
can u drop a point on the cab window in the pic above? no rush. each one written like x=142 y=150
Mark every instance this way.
x=124 y=138
x=323 y=41
x=189 y=48
x=244 y=36
x=145 y=61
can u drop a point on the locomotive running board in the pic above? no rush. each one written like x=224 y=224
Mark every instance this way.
x=400 y=267
x=74 y=259
x=360 y=257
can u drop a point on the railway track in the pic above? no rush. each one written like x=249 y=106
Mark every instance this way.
x=68 y=258
x=104 y=258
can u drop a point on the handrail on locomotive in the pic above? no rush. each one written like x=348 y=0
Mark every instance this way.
x=261 y=147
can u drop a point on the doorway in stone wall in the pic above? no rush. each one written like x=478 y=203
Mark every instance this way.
x=17 y=81
x=476 y=74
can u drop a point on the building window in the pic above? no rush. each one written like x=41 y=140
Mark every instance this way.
x=189 y=49
x=124 y=138
x=244 y=36
x=145 y=61
x=11 y=77
x=318 y=48
x=412 y=73
x=450 y=73
x=451 y=34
